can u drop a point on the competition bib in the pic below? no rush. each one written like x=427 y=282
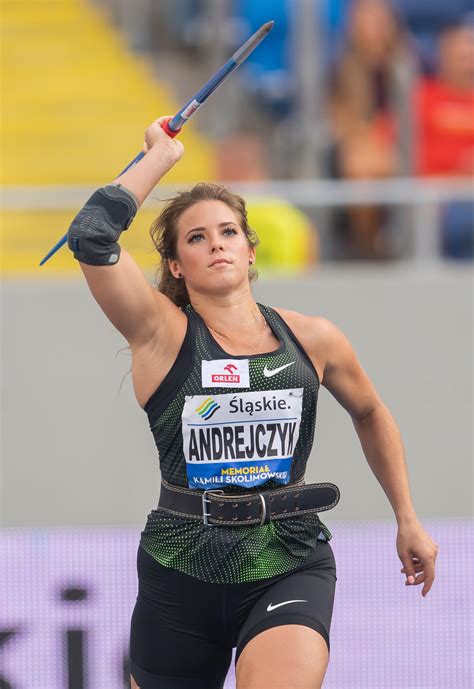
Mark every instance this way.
x=241 y=439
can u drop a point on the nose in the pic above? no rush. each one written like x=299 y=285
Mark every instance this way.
x=216 y=244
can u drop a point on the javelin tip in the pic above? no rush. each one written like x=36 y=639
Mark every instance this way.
x=249 y=46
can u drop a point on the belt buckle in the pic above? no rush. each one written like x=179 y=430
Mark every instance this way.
x=205 y=513
x=264 y=508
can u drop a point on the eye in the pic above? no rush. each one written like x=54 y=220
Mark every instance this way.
x=194 y=236
x=232 y=230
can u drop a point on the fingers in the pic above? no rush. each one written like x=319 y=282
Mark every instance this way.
x=416 y=567
x=429 y=577
x=409 y=568
x=418 y=580
x=155 y=135
x=420 y=573
x=160 y=120
x=154 y=129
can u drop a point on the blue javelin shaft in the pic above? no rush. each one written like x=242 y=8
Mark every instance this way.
x=173 y=126
x=201 y=96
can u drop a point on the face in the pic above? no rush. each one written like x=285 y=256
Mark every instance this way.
x=373 y=29
x=213 y=253
x=457 y=56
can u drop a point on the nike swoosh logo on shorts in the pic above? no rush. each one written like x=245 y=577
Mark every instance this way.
x=286 y=602
x=269 y=374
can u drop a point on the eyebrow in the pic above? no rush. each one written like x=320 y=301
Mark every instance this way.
x=203 y=229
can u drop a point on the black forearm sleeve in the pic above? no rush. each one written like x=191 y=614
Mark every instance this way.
x=94 y=232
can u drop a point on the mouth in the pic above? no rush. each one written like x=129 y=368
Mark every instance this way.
x=218 y=261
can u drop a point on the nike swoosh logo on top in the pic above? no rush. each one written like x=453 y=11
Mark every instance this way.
x=269 y=374
x=272 y=607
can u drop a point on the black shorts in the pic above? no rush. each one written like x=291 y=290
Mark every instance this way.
x=183 y=630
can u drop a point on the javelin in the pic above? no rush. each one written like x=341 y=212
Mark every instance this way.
x=173 y=126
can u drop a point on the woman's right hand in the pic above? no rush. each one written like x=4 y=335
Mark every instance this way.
x=162 y=153
x=157 y=138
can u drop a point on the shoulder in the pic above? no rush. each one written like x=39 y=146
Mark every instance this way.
x=321 y=339
x=335 y=360
x=309 y=328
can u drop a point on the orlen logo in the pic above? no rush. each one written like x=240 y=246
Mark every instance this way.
x=229 y=377
x=208 y=408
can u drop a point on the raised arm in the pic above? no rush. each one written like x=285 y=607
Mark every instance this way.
x=119 y=286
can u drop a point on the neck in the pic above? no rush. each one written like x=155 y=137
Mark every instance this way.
x=460 y=82
x=236 y=313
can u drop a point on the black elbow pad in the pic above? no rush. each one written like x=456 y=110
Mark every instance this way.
x=94 y=232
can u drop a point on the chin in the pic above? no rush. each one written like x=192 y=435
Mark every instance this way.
x=225 y=280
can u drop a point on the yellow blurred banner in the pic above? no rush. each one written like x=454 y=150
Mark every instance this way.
x=26 y=236
x=288 y=240
x=75 y=103
x=76 y=100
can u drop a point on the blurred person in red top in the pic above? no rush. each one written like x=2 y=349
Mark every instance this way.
x=445 y=108
x=444 y=111
x=363 y=88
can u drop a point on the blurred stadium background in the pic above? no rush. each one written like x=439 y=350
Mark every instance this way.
x=351 y=133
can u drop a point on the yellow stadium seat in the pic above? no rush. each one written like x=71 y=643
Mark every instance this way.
x=76 y=100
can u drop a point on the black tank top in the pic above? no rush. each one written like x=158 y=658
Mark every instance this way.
x=234 y=423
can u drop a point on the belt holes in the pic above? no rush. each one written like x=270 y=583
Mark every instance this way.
x=283 y=497
x=236 y=504
x=285 y=510
x=221 y=504
x=297 y=495
x=234 y=519
x=221 y=516
x=249 y=504
x=249 y=517
x=271 y=498
x=296 y=508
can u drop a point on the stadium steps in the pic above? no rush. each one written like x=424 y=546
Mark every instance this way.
x=76 y=101
x=75 y=104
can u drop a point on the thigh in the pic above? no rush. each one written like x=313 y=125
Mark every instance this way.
x=163 y=658
x=174 y=642
x=283 y=657
x=304 y=598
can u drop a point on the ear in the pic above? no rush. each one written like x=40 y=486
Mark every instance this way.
x=175 y=268
x=252 y=254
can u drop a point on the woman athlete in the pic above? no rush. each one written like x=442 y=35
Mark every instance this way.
x=235 y=554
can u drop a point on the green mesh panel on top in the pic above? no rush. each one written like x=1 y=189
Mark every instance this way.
x=245 y=553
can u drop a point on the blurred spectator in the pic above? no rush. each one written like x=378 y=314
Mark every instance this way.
x=289 y=241
x=425 y=19
x=363 y=89
x=444 y=107
x=241 y=156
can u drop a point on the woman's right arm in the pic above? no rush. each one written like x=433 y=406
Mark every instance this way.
x=119 y=286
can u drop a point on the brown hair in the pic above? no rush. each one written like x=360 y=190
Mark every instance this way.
x=164 y=233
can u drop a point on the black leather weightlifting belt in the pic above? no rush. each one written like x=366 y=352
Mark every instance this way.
x=260 y=507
